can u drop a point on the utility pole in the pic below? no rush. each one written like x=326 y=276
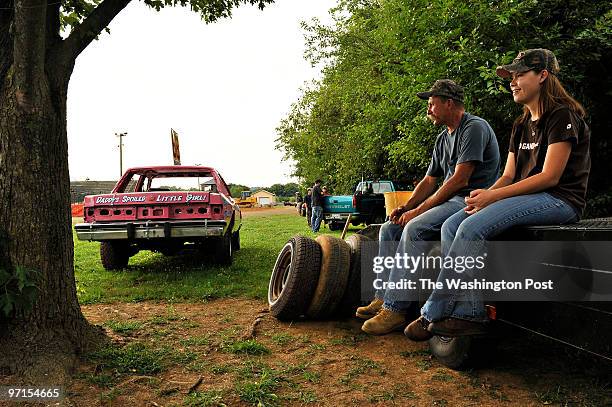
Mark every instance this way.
x=121 y=136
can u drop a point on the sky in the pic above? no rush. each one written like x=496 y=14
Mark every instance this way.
x=224 y=87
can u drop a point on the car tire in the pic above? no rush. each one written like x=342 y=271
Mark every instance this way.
x=236 y=240
x=352 y=295
x=114 y=255
x=463 y=352
x=224 y=251
x=453 y=352
x=333 y=277
x=294 y=278
x=377 y=219
x=335 y=226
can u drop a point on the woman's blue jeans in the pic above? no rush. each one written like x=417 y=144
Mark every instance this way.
x=466 y=235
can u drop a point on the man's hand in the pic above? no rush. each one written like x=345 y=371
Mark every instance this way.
x=479 y=199
x=407 y=217
x=396 y=213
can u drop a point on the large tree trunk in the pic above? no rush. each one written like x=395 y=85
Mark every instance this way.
x=40 y=344
x=35 y=226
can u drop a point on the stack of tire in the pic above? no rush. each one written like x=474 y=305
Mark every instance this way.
x=316 y=279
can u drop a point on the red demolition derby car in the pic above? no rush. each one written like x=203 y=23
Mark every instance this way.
x=162 y=209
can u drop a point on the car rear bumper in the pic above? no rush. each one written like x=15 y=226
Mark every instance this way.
x=150 y=230
x=340 y=216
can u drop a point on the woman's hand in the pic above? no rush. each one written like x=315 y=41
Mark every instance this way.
x=479 y=199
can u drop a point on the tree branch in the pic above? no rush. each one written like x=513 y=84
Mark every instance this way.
x=90 y=28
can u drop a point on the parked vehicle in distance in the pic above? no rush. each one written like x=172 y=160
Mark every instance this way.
x=163 y=209
x=366 y=205
x=246 y=200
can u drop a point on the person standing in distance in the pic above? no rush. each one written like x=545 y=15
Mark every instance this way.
x=317 y=206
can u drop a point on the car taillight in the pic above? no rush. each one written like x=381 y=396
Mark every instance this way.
x=354 y=201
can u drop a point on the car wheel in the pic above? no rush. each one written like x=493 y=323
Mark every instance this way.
x=377 y=219
x=114 y=255
x=451 y=352
x=352 y=295
x=461 y=352
x=335 y=226
x=224 y=251
x=333 y=277
x=294 y=278
x=236 y=240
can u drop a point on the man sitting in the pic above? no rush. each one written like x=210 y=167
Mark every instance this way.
x=466 y=155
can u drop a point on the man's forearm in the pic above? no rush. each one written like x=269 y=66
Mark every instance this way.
x=443 y=194
x=423 y=190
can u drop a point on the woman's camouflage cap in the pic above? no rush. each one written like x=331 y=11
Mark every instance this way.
x=536 y=59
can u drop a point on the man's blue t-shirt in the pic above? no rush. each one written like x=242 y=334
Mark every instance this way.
x=473 y=140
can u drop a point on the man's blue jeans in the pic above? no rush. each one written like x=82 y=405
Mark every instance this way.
x=414 y=241
x=315 y=223
x=466 y=235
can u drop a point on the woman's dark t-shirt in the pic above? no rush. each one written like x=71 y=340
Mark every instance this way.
x=530 y=140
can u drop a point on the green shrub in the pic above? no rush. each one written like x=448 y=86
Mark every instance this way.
x=17 y=291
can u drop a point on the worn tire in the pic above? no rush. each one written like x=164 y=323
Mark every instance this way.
x=335 y=265
x=451 y=352
x=294 y=278
x=463 y=351
x=236 y=240
x=224 y=251
x=352 y=295
x=114 y=255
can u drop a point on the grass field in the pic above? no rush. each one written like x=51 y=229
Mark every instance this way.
x=153 y=276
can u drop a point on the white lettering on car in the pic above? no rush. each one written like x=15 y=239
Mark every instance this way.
x=106 y=200
x=133 y=199
x=169 y=198
x=199 y=198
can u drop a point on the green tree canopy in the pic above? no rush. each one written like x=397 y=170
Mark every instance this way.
x=362 y=117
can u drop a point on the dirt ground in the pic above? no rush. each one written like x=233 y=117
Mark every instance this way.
x=329 y=363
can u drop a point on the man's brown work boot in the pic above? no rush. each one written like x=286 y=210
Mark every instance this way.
x=417 y=330
x=369 y=310
x=384 y=322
